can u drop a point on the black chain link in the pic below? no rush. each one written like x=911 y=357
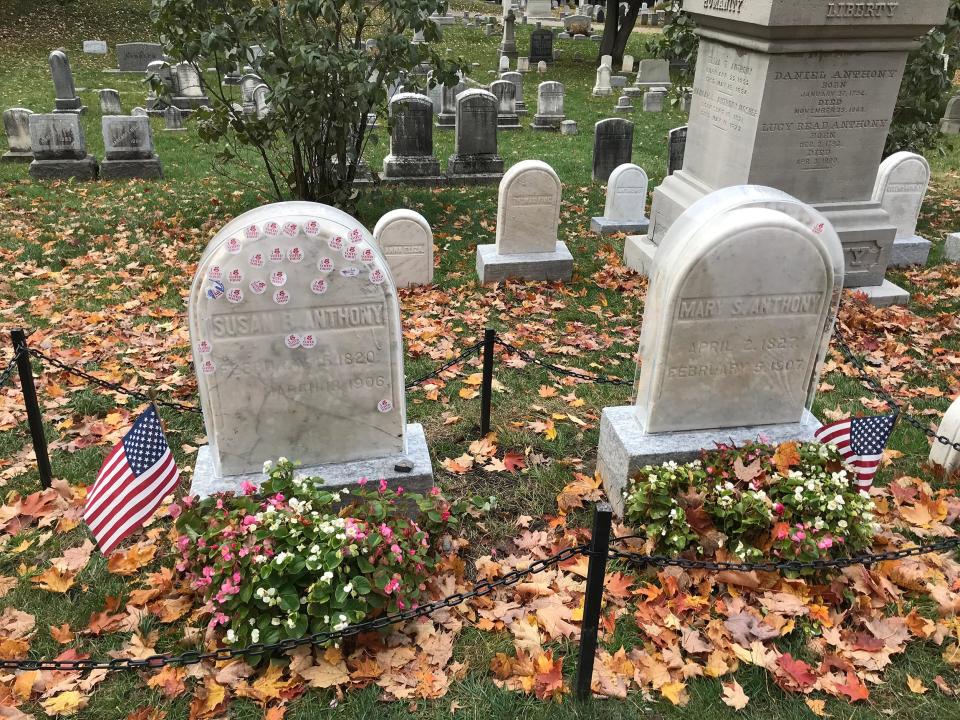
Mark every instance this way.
x=472 y=350
x=11 y=366
x=193 y=657
x=885 y=396
x=562 y=371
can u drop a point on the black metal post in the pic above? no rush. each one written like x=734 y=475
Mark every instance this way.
x=593 y=599
x=34 y=417
x=486 y=387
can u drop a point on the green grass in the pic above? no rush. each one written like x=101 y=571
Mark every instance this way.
x=110 y=241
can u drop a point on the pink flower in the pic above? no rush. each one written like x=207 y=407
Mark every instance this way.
x=219 y=619
x=799 y=536
x=187 y=500
x=392 y=585
x=400 y=604
x=248 y=520
x=435 y=490
x=362 y=481
x=386 y=531
x=247 y=487
x=183 y=542
x=383 y=486
x=174 y=511
x=825 y=544
x=778 y=508
x=444 y=515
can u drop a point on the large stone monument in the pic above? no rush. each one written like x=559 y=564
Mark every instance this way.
x=297 y=342
x=528 y=218
x=128 y=148
x=475 y=158
x=550 y=111
x=626 y=202
x=738 y=318
x=944 y=455
x=508 y=45
x=541 y=45
x=136 y=56
x=406 y=241
x=411 y=157
x=16 y=125
x=612 y=146
x=901 y=185
x=797 y=96
x=59 y=148
x=67 y=100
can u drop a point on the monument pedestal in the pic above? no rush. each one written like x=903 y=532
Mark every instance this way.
x=17 y=156
x=474 y=169
x=493 y=267
x=609 y=226
x=885 y=294
x=147 y=168
x=625 y=447
x=419 y=478
x=84 y=169
x=910 y=251
x=412 y=170
x=446 y=121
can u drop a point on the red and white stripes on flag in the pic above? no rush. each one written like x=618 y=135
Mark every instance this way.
x=137 y=474
x=861 y=442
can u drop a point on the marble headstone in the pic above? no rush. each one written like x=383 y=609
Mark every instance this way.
x=475 y=157
x=653 y=73
x=260 y=102
x=411 y=140
x=523 y=64
x=653 y=100
x=626 y=202
x=624 y=104
x=249 y=83
x=612 y=146
x=16 y=125
x=950 y=124
x=95 y=47
x=128 y=148
x=568 y=127
x=542 y=67
x=505 y=92
x=627 y=66
x=901 y=185
x=59 y=148
x=190 y=94
x=550 y=111
x=602 y=86
x=173 y=119
x=296 y=335
x=110 y=102
x=517 y=80
x=67 y=100
x=944 y=455
x=406 y=241
x=135 y=56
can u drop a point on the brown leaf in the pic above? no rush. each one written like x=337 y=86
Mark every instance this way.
x=734 y=696
x=786 y=457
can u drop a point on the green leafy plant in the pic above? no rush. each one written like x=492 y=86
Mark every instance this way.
x=678 y=43
x=281 y=561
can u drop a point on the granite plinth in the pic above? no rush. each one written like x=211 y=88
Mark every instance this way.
x=146 y=168
x=402 y=168
x=951 y=248
x=459 y=166
x=508 y=122
x=638 y=254
x=419 y=479
x=84 y=169
x=493 y=267
x=16 y=156
x=446 y=121
x=910 y=251
x=608 y=226
x=885 y=294
x=190 y=103
x=625 y=448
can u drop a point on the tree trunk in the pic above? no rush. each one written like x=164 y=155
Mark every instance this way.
x=617 y=34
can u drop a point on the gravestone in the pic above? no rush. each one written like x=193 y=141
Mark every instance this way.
x=136 y=56
x=190 y=95
x=943 y=455
x=950 y=124
x=517 y=80
x=901 y=185
x=539 y=9
x=653 y=100
x=653 y=73
x=139 y=112
x=475 y=158
x=523 y=64
x=550 y=113
x=248 y=83
x=173 y=119
x=626 y=202
x=128 y=148
x=406 y=241
x=491 y=29
x=160 y=70
x=67 y=100
x=296 y=336
x=16 y=125
x=602 y=86
x=59 y=148
x=110 y=102
x=505 y=92
x=508 y=45
x=447 y=117
x=676 y=147
x=542 y=67
x=411 y=157
x=504 y=64
x=577 y=25
x=528 y=217
x=799 y=96
x=624 y=104
x=612 y=146
x=737 y=321
x=262 y=105
x=95 y=47
x=627 y=65
x=607 y=60
x=541 y=45
x=568 y=127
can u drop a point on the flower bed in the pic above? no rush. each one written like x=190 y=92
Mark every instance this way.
x=282 y=561
x=796 y=501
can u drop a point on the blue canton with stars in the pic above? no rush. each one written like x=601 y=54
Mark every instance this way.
x=869 y=435
x=145 y=443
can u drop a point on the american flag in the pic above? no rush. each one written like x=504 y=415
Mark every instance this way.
x=861 y=441
x=137 y=474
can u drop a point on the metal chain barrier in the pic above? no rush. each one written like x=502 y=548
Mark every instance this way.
x=562 y=371
x=472 y=350
x=8 y=371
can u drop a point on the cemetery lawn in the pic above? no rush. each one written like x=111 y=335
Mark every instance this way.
x=99 y=273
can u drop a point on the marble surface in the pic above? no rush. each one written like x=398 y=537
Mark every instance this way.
x=16 y=126
x=493 y=267
x=653 y=72
x=57 y=136
x=944 y=455
x=626 y=193
x=406 y=241
x=528 y=209
x=127 y=137
x=901 y=185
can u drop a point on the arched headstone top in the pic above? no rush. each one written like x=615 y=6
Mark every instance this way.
x=406 y=241
x=902 y=181
x=528 y=208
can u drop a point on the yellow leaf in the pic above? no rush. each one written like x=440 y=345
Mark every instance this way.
x=734 y=696
x=54 y=580
x=66 y=703
x=916 y=685
x=468 y=394
x=474 y=379
x=817 y=707
x=675 y=692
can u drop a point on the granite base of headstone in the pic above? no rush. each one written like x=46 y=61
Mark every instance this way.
x=128 y=149
x=59 y=148
x=16 y=125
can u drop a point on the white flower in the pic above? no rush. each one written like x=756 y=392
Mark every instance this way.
x=842 y=524
x=275 y=621
x=281 y=460
x=267 y=466
x=255 y=636
x=231 y=637
x=348 y=588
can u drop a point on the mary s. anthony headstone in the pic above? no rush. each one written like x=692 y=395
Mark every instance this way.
x=901 y=185
x=626 y=202
x=612 y=146
x=16 y=125
x=406 y=241
x=736 y=324
x=941 y=454
x=475 y=158
x=541 y=45
x=528 y=217
x=550 y=112
x=136 y=56
x=67 y=100
x=295 y=328
x=59 y=148
x=676 y=147
x=128 y=148
x=411 y=157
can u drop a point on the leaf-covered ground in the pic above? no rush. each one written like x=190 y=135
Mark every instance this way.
x=99 y=273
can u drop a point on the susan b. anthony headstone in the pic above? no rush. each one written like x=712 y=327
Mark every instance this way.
x=901 y=185
x=626 y=202
x=406 y=241
x=59 y=148
x=16 y=125
x=612 y=146
x=128 y=148
x=297 y=342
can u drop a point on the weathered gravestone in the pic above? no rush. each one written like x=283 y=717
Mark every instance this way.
x=550 y=111
x=653 y=100
x=475 y=158
x=128 y=148
x=262 y=105
x=508 y=45
x=541 y=45
x=139 y=112
x=67 y=100
x=248 y=83
x=528 y=216
x=447 y=117
x=95 y=47
x=602 y=86
x=950 y=124
x=568 y=127
x=542 y=67
x=577 y=25
x=626 y=202
x=944 y=455
x=189 y=89
x=653 y=73
x=624 y=104
x=539 y=9
x=523 y=64
x=411 y=155
x=59 y=148
x=16 y=125
x=173 y=119
x=503 y=64
x=135 y=57
x=901 y=185
x=676 y=147
x=737 y=321
x=406 y=241
x=612 y=146
x=505 y=93
x=627 y=66
x=517 y=80
x=110 y=102
x=297 y=342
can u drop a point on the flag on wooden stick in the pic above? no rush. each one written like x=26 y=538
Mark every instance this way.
x=861 y=441
x=137 y=474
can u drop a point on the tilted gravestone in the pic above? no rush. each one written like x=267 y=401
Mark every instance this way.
x=59 y=148
x=67 y=100
x=173 y=119
x=528 y=218
x=550 y=112
x=676 y=148
x=110 y=102
x=136 y=56
x=612 y=146
x=296 y=335
x=737 y=321
x=475 y=157
x=625 y=203
x=411 y=155
x=406 y=241
x=944 y=455
x=128 y=148
x=517 y=79
x=901 y=185
x=16 y=125
x=653 y=73
x=541 y=45
x=189 y=90
x=505 y=93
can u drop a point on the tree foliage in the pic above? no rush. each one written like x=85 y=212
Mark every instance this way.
x=322 y=79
